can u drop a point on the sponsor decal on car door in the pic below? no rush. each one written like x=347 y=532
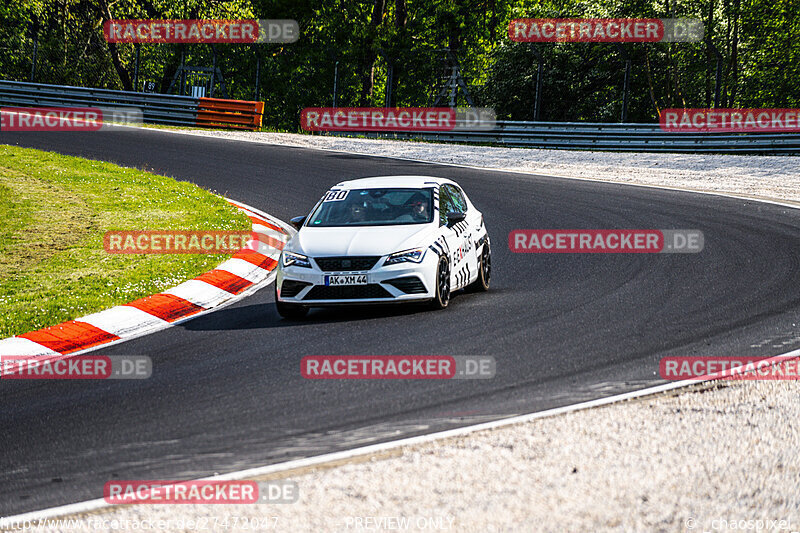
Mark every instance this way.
x=458 y=237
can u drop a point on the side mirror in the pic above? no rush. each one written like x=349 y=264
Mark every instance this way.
x=454 y=217
x=297 y=222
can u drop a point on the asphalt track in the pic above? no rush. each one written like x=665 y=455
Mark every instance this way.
x=226 y=391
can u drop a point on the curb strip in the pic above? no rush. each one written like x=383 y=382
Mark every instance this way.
x=239 y=276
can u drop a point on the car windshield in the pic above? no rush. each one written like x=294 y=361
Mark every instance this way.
x=373 y=207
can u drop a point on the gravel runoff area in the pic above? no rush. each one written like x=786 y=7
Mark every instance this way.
x=774 y=177
x=711 y=458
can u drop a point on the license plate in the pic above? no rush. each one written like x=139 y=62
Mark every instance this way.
x=353 y=279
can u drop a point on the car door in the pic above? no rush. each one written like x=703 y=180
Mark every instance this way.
x=459 y=241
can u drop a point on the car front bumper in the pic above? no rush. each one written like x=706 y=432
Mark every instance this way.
x=403 y=282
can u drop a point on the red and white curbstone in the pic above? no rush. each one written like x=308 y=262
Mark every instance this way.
x=244 y=273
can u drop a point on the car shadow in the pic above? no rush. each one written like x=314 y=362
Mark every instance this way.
x=261 y=316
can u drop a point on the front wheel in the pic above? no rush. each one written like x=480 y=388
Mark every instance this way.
x=287 y=310
x=442 y=296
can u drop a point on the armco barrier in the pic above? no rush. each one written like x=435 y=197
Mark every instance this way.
x=606 y=137
x=156 y=108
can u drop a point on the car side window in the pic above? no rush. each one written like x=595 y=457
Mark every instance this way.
x=445 y=204
x=458 y=199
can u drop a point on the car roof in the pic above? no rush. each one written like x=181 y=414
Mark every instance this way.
x=413 y=182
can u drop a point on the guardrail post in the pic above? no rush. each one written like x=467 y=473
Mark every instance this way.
x=626 y=90
x=136 y=69
x=626 y=82
x=537 y=104
x=335 y=81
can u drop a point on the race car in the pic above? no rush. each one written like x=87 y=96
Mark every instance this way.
x=389 y=239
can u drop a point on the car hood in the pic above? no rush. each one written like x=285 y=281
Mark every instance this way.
x=354 y=240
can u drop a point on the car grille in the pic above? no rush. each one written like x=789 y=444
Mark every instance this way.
x=347 y=292
x=347 y=264
x=409 y=285
x=290 y=288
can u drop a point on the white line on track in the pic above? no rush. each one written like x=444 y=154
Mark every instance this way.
x=319 y=460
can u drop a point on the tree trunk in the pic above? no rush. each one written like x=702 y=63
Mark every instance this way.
x=400 y=22
x=727 y=11
x=669 y=64
x=735 y=53
x=124 y=77
x=493 y=21
x=650 y=84
x=710 y=56
x=368 y=65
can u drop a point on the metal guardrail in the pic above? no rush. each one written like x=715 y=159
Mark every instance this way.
x=189 y=111
x=156 y=108
x=605 y=137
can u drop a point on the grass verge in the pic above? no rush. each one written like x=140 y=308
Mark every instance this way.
x=54 y=211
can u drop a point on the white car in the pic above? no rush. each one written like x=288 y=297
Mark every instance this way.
x=384 y=240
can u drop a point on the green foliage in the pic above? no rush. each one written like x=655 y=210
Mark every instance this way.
x=54 y=212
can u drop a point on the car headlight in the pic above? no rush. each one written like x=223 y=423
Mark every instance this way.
x=413 y=256
x=292 y=259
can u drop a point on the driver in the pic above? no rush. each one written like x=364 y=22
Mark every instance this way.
x=418 y=207
x=415 y=209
